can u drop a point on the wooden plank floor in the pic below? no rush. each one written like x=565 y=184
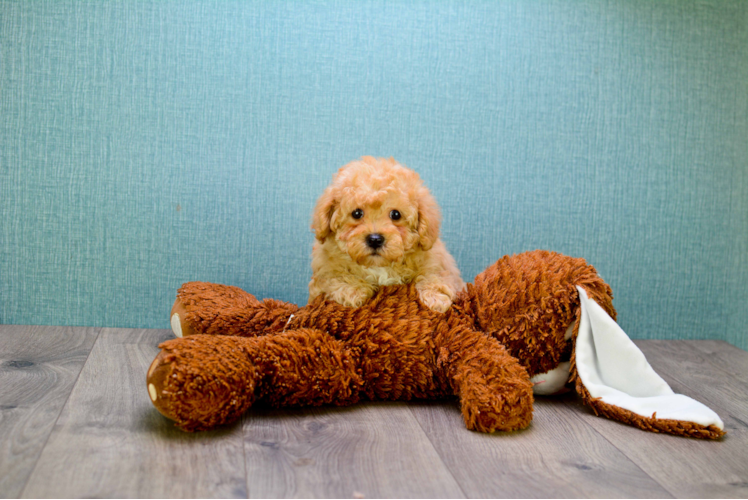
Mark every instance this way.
x=76 y=421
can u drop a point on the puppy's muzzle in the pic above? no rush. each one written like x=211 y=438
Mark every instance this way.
x=375 y=241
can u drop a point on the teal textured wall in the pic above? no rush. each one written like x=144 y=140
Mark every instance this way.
x=144 y=144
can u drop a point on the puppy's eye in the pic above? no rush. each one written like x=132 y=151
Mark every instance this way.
x=357 y=214
x=395 y=215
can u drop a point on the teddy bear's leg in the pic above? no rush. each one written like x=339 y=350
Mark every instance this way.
x=529 y=302
x=495 y=391
x=202 y=381
x=213 y=309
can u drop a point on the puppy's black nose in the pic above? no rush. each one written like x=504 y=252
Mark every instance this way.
x=375 y=240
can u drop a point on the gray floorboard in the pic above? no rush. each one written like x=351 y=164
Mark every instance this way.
x=109 y=441
x=689 y=468
x=372 y=450
x=77 y=422
x=558 y=456
x=38 y=368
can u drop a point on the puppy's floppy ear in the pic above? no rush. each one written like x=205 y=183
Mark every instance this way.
x=429 y=219
x=323 y=212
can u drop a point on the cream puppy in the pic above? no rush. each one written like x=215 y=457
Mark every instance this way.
x=378 y=225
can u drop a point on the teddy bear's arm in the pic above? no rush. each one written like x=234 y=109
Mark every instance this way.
x=212 y=309
x=202 y=381
x=495 y=391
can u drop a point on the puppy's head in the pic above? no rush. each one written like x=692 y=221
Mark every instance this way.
x=377 y=211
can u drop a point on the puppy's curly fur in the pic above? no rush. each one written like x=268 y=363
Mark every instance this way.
x=378 y=225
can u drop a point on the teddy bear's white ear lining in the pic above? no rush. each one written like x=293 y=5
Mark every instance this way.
x=613 y=369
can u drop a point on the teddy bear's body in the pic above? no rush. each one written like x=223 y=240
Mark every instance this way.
x=512 y=324
x=392 y=348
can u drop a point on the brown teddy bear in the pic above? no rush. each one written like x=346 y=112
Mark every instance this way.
x=531 y=323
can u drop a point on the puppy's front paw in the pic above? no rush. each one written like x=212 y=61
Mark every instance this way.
x=351 y=296
x=435 y=297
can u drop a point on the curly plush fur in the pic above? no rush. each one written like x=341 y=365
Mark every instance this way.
x=507 y=327
x=380 y=198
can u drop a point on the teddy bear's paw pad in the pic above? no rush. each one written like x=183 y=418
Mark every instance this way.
x=552 y=381
x=152 y=392
x=176 y=325
x=155 y=380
